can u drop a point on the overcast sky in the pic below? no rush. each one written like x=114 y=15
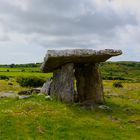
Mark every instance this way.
x=28 y=28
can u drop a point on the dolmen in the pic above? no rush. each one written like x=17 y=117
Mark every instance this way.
x=76 y=74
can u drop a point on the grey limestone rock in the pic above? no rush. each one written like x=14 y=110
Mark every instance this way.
x=24 y=97
x=62 y=86
x=89 y=83
x=105 y=108
x=46 y=86
x=29 y=91
x=80 y=65
x=56 y=58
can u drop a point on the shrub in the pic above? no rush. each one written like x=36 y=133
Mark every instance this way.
x=117 y=84
x=30 y=81
x=23 y=70
x=113 y=78
x=4 y=77
x=10 y=83
x=119 y=78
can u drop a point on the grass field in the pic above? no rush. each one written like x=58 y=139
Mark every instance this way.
x=36 y=118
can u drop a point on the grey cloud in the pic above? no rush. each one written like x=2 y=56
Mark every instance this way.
x=63 y=17
x=70 y=23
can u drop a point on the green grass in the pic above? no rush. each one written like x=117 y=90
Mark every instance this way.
x=130 y=71
x=36 y=118
x=17 y=74
x=23 y=72
x=39 y=119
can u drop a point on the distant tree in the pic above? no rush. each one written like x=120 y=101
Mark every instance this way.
x=12 y=65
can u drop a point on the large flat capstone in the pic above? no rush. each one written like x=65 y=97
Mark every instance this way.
x=54 y=59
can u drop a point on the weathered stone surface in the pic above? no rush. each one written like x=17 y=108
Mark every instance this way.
x=113 y=118
x=9 y=94
x=25 y=92
x=105 y=108
x=24 y=97
x=62 y=86
x=29 y=91
x=46 y=86
x=79 y=64
x=48 y=98
x=56 y=58
x=89 y=83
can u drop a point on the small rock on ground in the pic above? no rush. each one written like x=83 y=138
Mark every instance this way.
x=105 y=108
x=48 y=97
x=23 y=97
x=30 y=91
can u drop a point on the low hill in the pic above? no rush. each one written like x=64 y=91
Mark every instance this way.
x=121 y=71
x=125 y=70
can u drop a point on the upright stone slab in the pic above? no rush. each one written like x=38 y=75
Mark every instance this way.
x=89 y=83
x=46 y=86
x=62 y=86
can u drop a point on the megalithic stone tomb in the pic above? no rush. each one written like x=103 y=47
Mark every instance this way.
x=80 y=65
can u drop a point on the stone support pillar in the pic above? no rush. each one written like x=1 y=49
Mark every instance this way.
x=89 y=83
x=62 y=86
